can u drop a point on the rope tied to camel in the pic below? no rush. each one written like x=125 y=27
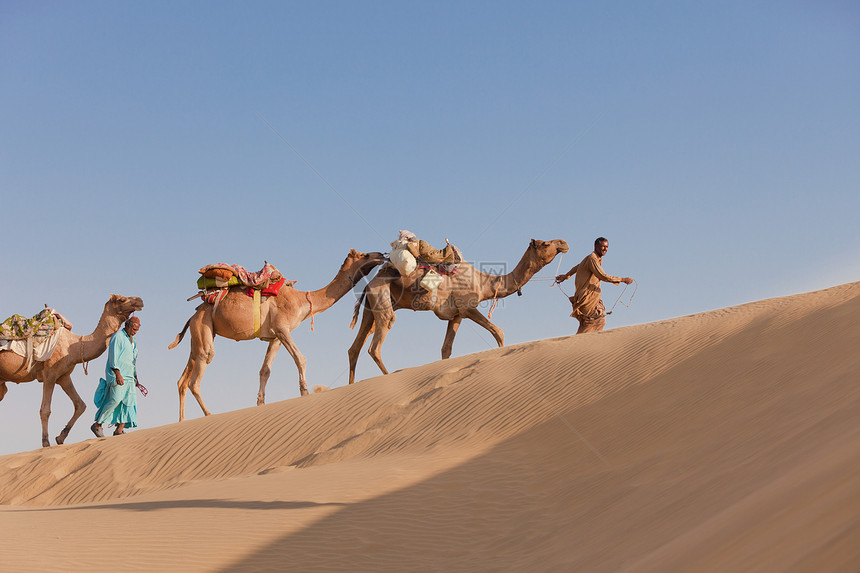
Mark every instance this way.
x=310 y=302
x=495 y=300
x=84 y=364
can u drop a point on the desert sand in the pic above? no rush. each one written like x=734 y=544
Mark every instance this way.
x=723 y=441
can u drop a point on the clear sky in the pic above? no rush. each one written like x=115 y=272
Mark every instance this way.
x=715 y=145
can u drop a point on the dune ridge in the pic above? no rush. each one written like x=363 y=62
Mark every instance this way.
x=725 y=440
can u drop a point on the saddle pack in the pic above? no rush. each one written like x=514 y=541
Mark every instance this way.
x=34 y=338
x=215 y=281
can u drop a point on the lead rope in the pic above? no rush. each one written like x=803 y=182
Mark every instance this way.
x=628 y=303
x=493 y=306
x=84 y=364
x=308 y=296
x=554 y=281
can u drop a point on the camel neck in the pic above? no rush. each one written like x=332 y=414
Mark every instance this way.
x=505 y=285
x=322 y=299
x=93 y=345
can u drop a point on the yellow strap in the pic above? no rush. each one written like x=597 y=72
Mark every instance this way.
x=256 y=313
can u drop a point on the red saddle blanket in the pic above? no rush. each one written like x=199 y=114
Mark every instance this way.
x=271 y=290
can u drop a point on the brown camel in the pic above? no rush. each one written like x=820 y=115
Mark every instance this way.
x=456 y=298
x=279 y=315
x=71 y=349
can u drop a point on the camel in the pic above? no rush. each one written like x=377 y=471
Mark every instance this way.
x=279 y=315
x=71 y=349
x=456 y=298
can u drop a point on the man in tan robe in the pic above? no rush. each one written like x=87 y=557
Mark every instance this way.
x=587 y=306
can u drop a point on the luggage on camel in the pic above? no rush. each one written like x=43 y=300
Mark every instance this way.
x=223 y=273
x=437 y=263
x=34 y=338
x=431 y=280
x=409 y=253
x=448 y=255
x=403 y=253
x=218 y=278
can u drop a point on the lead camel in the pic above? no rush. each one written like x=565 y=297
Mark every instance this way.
x=456 y=298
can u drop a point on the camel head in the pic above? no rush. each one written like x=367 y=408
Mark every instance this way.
x=122 y=306
x=545 y=251
x=358 y=265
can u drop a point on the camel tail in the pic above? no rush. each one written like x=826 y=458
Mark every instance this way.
x=356 y=310
x=179 y=336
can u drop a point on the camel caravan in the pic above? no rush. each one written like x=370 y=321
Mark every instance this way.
x=242 y=305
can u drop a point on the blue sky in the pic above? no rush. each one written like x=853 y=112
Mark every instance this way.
x=716 y=146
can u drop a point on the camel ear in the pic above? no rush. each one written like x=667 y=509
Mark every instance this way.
x=352 y=252
x=533 y=243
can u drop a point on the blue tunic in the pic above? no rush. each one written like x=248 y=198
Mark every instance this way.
x=118 y=404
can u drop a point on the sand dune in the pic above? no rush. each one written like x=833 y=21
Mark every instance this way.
x=723 y=441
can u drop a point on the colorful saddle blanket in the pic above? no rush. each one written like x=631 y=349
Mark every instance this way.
x=217 y=278
x=223 y=271
x=16 y=327
x=34 y=338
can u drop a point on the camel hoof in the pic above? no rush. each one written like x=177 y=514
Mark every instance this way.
x=63 y=435
x=46 y=443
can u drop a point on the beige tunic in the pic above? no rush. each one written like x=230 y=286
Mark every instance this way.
x=589 y=273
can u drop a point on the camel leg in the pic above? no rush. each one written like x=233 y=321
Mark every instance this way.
x=66 y=384
x=360 y=338
x=383 y=325
x=182 y=386
x=45 y=410
x=448 y=345
x=3 y=390
x=202 y=353
x=271 y=352
x=194 y=384
x=287 y=341
x=481 y=320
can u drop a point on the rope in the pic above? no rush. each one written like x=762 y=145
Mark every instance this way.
x=84 y=364
x=492 y=306
x=561 y=289
x=310 y=302
x=627 y=304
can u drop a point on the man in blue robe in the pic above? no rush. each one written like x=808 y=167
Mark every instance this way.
x=115 y=396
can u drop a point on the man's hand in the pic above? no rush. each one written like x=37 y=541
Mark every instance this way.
x=560 y=278
x=627 y=280
x=119 y=379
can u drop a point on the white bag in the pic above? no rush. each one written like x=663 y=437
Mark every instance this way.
x=402 y=260
x=431 y=281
